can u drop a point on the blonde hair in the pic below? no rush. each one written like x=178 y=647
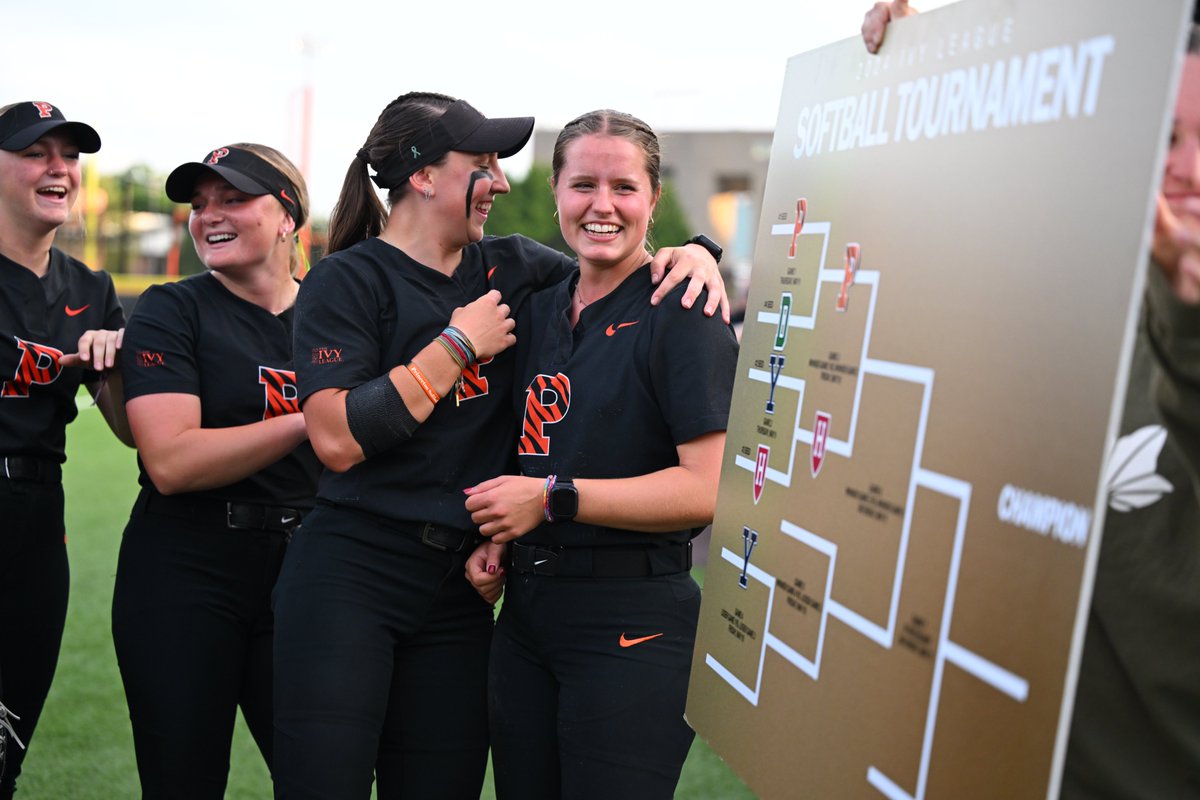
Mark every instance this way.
x=289 y=170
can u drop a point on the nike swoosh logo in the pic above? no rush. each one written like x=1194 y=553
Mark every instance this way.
x=539 y=563
x=75 y=312
x=283 y=193
x=287 y=520
x=614 y=328
x=631 y=642
x=491 y=271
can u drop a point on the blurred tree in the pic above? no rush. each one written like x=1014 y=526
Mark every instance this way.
x=138 y=188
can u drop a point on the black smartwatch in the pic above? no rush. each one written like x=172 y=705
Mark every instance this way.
x=564 y=500
x=708 y=244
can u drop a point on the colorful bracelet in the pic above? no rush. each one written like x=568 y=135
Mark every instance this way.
x=423 y=382
x=461 y=341
x=460 y=358
x=546 y=497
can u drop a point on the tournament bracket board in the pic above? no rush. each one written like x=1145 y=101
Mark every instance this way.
x=945 y=287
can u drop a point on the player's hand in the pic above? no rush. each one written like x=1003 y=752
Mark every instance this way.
x=1177 y=252
x=485 y=571
x=507 y=507
x=671 y=265
x=487 y=323
x=98 y=350
x=876 y=20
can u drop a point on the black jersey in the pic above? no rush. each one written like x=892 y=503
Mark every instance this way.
x=196 y=337
x=40 y=320
x=369 y=308
x=614 y=396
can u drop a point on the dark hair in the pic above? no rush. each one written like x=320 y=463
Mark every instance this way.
x=358 y=214
x=610 y=123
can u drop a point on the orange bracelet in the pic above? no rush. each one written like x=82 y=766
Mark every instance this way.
x=423 y=382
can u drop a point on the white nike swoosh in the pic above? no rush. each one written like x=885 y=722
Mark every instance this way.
x=287 y=520
x=539 y=563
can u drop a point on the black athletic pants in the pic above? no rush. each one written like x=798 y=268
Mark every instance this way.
x=381 y=649
x=192 y=628
x=34 y=584
x=589 y=679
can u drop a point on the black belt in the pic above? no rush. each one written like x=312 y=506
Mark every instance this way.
x=30 y=468
x=601 y=562
x=213 y=511
x=439 y=537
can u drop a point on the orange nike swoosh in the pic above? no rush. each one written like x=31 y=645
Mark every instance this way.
x=631 y=642
x=614 y=328
x=490 y=271
x=283 y=193
x=75 y=312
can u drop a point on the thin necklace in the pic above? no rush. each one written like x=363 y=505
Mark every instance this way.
x=579 y=294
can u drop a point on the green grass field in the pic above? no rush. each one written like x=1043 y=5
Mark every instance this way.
x=83 y=749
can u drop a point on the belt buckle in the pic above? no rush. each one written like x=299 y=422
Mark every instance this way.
x=245 y=524
x=428 y=532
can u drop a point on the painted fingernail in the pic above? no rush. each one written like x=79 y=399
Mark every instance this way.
x=491 y=569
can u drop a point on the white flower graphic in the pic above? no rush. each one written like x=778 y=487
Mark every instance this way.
x=1132 y=471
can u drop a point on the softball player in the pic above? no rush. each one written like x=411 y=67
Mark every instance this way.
x=57 y=320
x=226 y=473
x=404 y=375
x=621 y=439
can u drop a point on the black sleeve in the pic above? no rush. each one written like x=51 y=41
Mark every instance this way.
x=519 y=266
x=158 y=355
x=337 y=329
x=693 y=359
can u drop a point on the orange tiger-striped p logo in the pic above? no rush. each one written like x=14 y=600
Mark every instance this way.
x=547 y=400
x=38 y=367
x=474 y=383
x=280 y=393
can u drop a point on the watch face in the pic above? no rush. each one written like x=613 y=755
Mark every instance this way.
x=564 y=502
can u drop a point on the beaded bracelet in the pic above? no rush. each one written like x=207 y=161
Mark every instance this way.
x=546 y=497
x=423 y=382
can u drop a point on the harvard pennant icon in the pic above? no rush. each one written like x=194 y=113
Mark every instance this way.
x=820 y=435
x=760 y=471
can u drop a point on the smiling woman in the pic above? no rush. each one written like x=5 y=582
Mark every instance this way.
x=619 y=454
x=226 y=473
x=381 y=643
x=60 y=324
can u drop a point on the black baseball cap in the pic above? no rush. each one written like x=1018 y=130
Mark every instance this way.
x=461 y=128
x=30 y=120
x=244 y=171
